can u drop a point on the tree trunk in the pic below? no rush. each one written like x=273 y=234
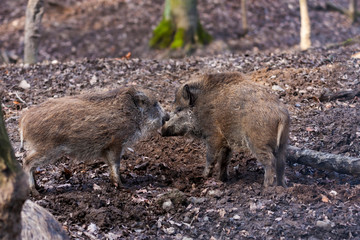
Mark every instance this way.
x=34 y=12
x=352 y=10
x=180 y=26
x=324 y=161
x=13 y=188
x=305 y=31
x=244 y=17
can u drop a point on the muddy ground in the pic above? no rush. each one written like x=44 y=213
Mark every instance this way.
x=316 y=205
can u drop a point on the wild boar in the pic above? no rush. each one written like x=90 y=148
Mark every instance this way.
x=88 y=127
x=232 y=113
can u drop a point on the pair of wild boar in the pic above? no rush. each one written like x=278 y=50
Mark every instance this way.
x=226 y=110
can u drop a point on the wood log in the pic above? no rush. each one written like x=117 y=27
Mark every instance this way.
x=341 y=95
x=324 y=161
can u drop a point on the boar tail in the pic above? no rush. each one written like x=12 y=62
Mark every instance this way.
x=280 y=134
x=21 y=139
x=21 y=134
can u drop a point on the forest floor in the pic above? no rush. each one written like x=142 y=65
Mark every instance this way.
x=316 y=204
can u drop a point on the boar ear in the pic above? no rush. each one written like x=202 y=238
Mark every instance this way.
x=140 y=99
x=189 y=95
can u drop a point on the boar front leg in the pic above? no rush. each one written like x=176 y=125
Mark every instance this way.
x=29 y=164
x=113 y=158
x=217 y=153
x=280 y=166
x=210 y=160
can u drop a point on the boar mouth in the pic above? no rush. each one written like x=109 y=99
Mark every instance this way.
x=171 y=131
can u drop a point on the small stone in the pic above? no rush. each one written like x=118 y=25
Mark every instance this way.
x=170 y=230
x=167 y=205
x=333 y=193
x=236 y=217
x=196 y=200
x=277 y=88
x=214 y=193
x=96 y=187
x=24 y=85
x=54 y=62
x=187 y=238
x=92 y=228
x=222 y=212
x=187 y=219
x=326 y=224
x=93 y=80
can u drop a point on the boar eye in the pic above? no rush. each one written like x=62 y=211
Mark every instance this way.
x=178 y=109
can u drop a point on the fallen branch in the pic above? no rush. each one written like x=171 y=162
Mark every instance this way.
x=324 y=161
x=342 y=95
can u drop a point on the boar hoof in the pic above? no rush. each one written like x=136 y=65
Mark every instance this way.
x=224 y=177
x=269 y=183
x=118 y=182
x=282 y=184
x=34 y=192
x=207 y=173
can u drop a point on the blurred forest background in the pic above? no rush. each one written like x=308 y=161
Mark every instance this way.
x=74 y=29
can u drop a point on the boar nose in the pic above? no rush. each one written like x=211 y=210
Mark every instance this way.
x=165 y=118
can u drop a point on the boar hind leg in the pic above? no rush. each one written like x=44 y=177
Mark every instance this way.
x=113 y=160
x=268 y=160
x=280 y=166
x=223 y=159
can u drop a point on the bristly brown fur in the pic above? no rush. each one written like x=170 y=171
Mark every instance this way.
x=87 y=127
x=231 y=112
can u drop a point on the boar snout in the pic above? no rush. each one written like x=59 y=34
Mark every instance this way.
x=167 y=131
x=165 y=118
